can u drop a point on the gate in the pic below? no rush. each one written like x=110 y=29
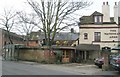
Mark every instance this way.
x=11 y=52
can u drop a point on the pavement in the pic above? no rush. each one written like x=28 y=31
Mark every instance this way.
x=107 y=73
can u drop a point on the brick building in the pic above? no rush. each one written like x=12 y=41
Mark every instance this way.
x=4 y=39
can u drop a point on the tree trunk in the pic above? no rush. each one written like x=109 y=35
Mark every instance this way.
x=11 y=42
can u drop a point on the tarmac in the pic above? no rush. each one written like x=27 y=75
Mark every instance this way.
x=83 y=69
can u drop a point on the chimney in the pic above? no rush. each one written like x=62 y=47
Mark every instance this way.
x=119 y=9
x=106 y=12
x=116 y=12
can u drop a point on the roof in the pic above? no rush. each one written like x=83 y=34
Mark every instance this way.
x=66 y=36
x=97 y=14
x=88 y=47
x=37 y=36
x=90 y=19
x=13 y=34
x=63 y=47
x=86 y=19
x=59 y=36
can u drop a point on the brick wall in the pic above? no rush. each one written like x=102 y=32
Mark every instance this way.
x=4 y=39
x=33 y=43
x=36 y=55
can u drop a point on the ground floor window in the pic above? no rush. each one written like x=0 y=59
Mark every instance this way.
x=66 y=54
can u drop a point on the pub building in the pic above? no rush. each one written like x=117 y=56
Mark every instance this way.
x=97 y=31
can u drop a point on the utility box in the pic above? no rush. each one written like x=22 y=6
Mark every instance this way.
x=106 y=53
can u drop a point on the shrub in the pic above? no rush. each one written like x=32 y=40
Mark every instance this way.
x=44 y=62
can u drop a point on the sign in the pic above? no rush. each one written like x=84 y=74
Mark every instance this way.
x=106 y=49
x=112 y=34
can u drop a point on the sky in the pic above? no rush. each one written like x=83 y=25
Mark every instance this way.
x=22 y=5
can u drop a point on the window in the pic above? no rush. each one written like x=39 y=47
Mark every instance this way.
x=97 y=19
x=85 y=35
x=97 y=36
x=65 y=54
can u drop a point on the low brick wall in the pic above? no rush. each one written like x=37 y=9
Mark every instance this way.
x=37 y=55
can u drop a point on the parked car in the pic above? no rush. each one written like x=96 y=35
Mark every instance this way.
x=99 y=61
x=115 y=62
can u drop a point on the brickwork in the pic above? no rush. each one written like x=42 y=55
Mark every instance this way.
x=16 y=39
x=36 y=55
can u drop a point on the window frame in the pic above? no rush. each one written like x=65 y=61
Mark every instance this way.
x=85 y=36
x=98 y=19
x=97 y=36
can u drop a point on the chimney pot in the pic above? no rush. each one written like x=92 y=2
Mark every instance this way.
x=107 y=3
x=115 y=3
x=103 y=3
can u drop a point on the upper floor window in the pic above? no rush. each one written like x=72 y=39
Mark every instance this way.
x=85 y=35
x=97 y=36
x=98 y=19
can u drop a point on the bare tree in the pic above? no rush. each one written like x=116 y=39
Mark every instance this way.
x=54 y=13
x=7 y=20
x=26 y=24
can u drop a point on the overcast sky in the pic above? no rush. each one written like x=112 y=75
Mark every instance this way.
x=22 y=5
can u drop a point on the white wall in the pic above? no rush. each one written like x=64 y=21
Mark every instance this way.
x=107 y=35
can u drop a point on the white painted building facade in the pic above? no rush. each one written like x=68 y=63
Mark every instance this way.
x=99 y=29
x=102 y=34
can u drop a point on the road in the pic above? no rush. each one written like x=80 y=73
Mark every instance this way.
x=20 y=68
x=12 y=68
